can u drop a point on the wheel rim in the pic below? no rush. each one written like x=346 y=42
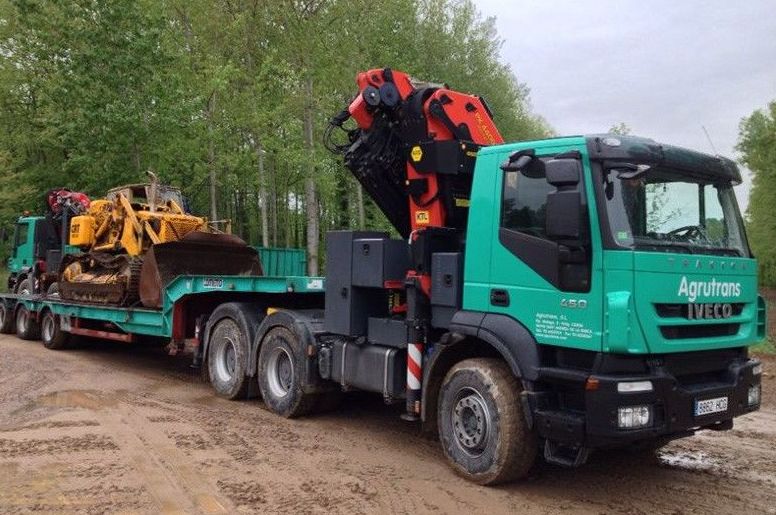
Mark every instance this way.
x=21 y=320
x=280 y=372
x=226 y=362
x=471 y=421
x=47 y=329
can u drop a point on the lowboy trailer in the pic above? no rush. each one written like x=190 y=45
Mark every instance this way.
x=553 y=296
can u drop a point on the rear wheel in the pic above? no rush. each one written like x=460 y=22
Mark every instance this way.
x=27 y=328
x=51 y=333
x=481 y=424
x=228 y=360
x=281 y=362
x=6 y=319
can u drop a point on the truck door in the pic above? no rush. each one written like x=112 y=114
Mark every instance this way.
x=22 y=255
x=550 y=284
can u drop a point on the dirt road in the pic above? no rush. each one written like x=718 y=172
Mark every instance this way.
x=113 y=428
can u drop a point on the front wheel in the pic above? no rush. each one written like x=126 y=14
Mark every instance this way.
x=51 y=333
x=25 y=287
x=482 y=429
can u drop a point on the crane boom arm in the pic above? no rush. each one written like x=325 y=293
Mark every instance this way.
x=413 y=147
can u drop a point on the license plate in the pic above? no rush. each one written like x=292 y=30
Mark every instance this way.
x=709 y=406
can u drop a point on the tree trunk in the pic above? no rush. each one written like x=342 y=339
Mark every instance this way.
x=361 y=215
x=136 y=157
x=342 y=217
x=311 y=200
x=263 y=196
x=274 y=214
x=211 y=156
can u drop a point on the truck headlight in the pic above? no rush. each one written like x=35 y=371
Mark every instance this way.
x=634 y=386
x=753 y=396
x=633 y=417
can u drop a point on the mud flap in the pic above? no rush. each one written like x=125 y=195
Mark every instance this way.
x=197 y=253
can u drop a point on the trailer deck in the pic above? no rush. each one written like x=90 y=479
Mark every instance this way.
x=160 y=322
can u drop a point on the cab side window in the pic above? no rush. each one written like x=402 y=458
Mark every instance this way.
x=22 y=233
x=524 y=203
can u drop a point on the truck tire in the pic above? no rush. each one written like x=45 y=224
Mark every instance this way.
x=228 y=350
x=482 y=429
x=280 y=372
x=53 y=291
x=7 y=321
x=24 y=287
x=228 y=360
x=51 y=333
x=27 y=328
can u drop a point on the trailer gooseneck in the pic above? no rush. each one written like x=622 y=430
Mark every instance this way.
x=553 y=296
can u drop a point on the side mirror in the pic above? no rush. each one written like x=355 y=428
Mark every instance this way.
x=563 y=172
x=564 y=216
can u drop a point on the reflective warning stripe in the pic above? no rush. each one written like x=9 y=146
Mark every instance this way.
x=414 y=366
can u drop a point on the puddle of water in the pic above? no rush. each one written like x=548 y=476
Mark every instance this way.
x=87 y=399
x=688 y=460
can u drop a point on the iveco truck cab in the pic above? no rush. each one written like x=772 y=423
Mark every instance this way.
x=628 y=264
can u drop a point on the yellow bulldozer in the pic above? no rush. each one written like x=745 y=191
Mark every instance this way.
x=138 y=239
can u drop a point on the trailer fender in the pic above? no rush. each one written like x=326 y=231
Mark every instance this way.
x=246 y=315
x=304 y=325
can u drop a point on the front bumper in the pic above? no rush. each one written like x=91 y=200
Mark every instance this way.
x=672 y=401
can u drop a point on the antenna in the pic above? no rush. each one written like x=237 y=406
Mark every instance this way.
x=709 y=138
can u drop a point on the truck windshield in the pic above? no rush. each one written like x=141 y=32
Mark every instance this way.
x=668 y=211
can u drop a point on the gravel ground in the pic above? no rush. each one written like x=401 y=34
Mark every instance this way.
x=113 y=428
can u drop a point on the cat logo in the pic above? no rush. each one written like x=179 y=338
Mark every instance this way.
x=421 y=217
x=416 y=153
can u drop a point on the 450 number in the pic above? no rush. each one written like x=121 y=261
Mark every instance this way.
x=573 y=303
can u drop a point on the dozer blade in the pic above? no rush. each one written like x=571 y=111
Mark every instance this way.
x=197 y=253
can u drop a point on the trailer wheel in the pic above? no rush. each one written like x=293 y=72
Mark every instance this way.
x=281 y=362
x=27 y=328
x=6 y=319
x=481 y=424
x=51 y=333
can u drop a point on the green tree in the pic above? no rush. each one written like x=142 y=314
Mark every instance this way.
x=228 y=100
x=757 y=144
x=619 y=128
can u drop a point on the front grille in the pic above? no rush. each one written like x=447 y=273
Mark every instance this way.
x=679 y=332
x=703 y=367
x=681 y=310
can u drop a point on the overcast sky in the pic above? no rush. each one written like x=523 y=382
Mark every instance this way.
x=664 y=68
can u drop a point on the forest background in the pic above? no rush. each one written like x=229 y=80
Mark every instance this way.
x=229 y=99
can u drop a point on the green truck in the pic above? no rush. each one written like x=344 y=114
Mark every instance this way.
x=34 y=241
x=583 y=293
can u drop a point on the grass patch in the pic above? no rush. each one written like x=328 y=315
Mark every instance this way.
x=766 y=346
